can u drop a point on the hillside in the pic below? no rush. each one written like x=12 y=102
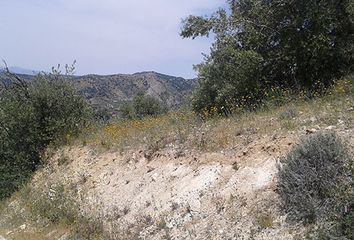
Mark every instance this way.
x=110 y=90
x=175 y=176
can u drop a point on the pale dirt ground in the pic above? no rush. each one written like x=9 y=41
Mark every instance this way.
x=193 y=196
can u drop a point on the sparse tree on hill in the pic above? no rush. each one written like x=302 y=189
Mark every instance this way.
x=142 y=106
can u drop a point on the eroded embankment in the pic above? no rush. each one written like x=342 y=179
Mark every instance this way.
x=174 y=192
x=183 y=194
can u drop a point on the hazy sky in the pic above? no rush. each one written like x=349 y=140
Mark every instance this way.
x=104 y=36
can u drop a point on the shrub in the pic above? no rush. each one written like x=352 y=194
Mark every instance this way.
x=102 y=115
x=33 y=115
x=315 y=179
x=142 y=106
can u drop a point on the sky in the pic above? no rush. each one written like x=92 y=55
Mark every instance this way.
x=103 y=36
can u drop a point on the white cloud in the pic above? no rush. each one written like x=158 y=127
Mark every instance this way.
x=105 y=36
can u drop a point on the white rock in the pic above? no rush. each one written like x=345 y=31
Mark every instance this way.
x=310 y=131
x=154 y=177
x=330 y=127
x=313 y=119
x=23 y=227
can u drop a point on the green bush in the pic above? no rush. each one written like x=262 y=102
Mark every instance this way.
x=348 y=224
x=102 y=115
x=316 y=181
x=142 y=106
x=33 y=115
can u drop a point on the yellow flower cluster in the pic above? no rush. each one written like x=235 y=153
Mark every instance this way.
x=137 y=131
x=343 y=86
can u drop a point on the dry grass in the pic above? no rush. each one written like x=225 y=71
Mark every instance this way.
x=37 y=212
x=150 y=131
x=185 y=128
x=265 y=220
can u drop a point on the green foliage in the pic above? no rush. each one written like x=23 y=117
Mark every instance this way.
x=348 y=224
x=315 y=180
x=33 y=115
x=127 y=110
x=237 y=73
x=261 y=44
x=102 y=115
x=142 y=106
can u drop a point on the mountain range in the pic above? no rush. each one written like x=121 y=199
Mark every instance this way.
x=109 y=91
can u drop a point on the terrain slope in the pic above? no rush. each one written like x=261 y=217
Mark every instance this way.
x=180 y=178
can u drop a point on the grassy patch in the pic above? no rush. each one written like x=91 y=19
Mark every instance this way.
x=185 y=128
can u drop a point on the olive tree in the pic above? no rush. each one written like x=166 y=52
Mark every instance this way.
x=33 y=114
x=293 y=44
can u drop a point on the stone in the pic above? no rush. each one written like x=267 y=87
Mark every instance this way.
x=313 y=119
x=23 y=227
x=310 y=131
x=330 y=127
x=154 y=177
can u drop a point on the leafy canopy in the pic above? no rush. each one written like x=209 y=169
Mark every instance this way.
x=260 y=44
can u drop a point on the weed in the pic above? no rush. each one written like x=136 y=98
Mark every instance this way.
x=235 y=166
x=288 y=113
x=63 y=160
x=265 y=220
x=56 y=205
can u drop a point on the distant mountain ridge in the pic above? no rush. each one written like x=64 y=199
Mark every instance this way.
x=109 y=91
x=19 y=70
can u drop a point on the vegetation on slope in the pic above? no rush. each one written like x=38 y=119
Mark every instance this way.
x=272 y=66
x=55 y=208
x=216 y=133
x=33 y=115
